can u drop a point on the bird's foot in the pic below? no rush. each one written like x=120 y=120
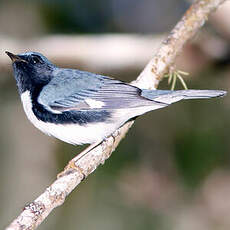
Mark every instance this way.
x=71 y=168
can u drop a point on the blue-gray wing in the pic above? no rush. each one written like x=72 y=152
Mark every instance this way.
x=78 y=90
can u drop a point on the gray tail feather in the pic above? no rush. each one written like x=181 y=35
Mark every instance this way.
x=169 y=97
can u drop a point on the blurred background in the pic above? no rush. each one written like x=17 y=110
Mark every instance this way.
x=172 y=169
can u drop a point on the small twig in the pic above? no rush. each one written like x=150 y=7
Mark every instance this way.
x=173 y=75
x=38 y=210
x=182 y=81
x=186 y=28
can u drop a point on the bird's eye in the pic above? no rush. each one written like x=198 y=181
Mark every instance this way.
x=36 y=59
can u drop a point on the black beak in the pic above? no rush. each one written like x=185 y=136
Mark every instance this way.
x=15 y=58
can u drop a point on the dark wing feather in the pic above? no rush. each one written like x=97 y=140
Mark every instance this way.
x=71 y=90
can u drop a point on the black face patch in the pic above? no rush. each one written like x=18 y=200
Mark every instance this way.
x=21 y=76
x=32 y=72
x=36 y=59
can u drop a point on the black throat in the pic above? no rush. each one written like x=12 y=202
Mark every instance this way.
x=29 y=79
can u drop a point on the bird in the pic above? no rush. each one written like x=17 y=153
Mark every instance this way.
x=80 y=107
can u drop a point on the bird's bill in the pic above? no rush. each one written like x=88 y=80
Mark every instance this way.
x=14 y=57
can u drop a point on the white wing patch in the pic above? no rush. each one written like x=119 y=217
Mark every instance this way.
x=94 y=104
x=87 y=133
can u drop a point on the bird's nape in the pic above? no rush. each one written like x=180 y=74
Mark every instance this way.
x=79 y=107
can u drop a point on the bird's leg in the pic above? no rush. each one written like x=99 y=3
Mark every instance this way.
x=72 y=163
x=85 y=151
x=94 y=145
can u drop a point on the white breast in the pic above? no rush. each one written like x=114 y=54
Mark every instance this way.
x=70 y=133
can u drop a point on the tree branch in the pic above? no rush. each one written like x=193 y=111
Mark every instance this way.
x=80 y=167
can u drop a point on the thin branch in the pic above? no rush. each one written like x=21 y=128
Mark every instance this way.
x=186 y=28
x=79 y=168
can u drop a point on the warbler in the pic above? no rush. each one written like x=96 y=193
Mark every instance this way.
x=79 y=107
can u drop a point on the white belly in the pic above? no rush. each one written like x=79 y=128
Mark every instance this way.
x=84 y=134
x=70 y=133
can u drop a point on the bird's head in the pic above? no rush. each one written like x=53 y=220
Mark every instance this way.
x=31 y=69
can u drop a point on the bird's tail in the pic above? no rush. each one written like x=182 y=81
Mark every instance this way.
x=169 y=97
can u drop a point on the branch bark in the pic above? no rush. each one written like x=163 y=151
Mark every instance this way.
x=79 y=168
